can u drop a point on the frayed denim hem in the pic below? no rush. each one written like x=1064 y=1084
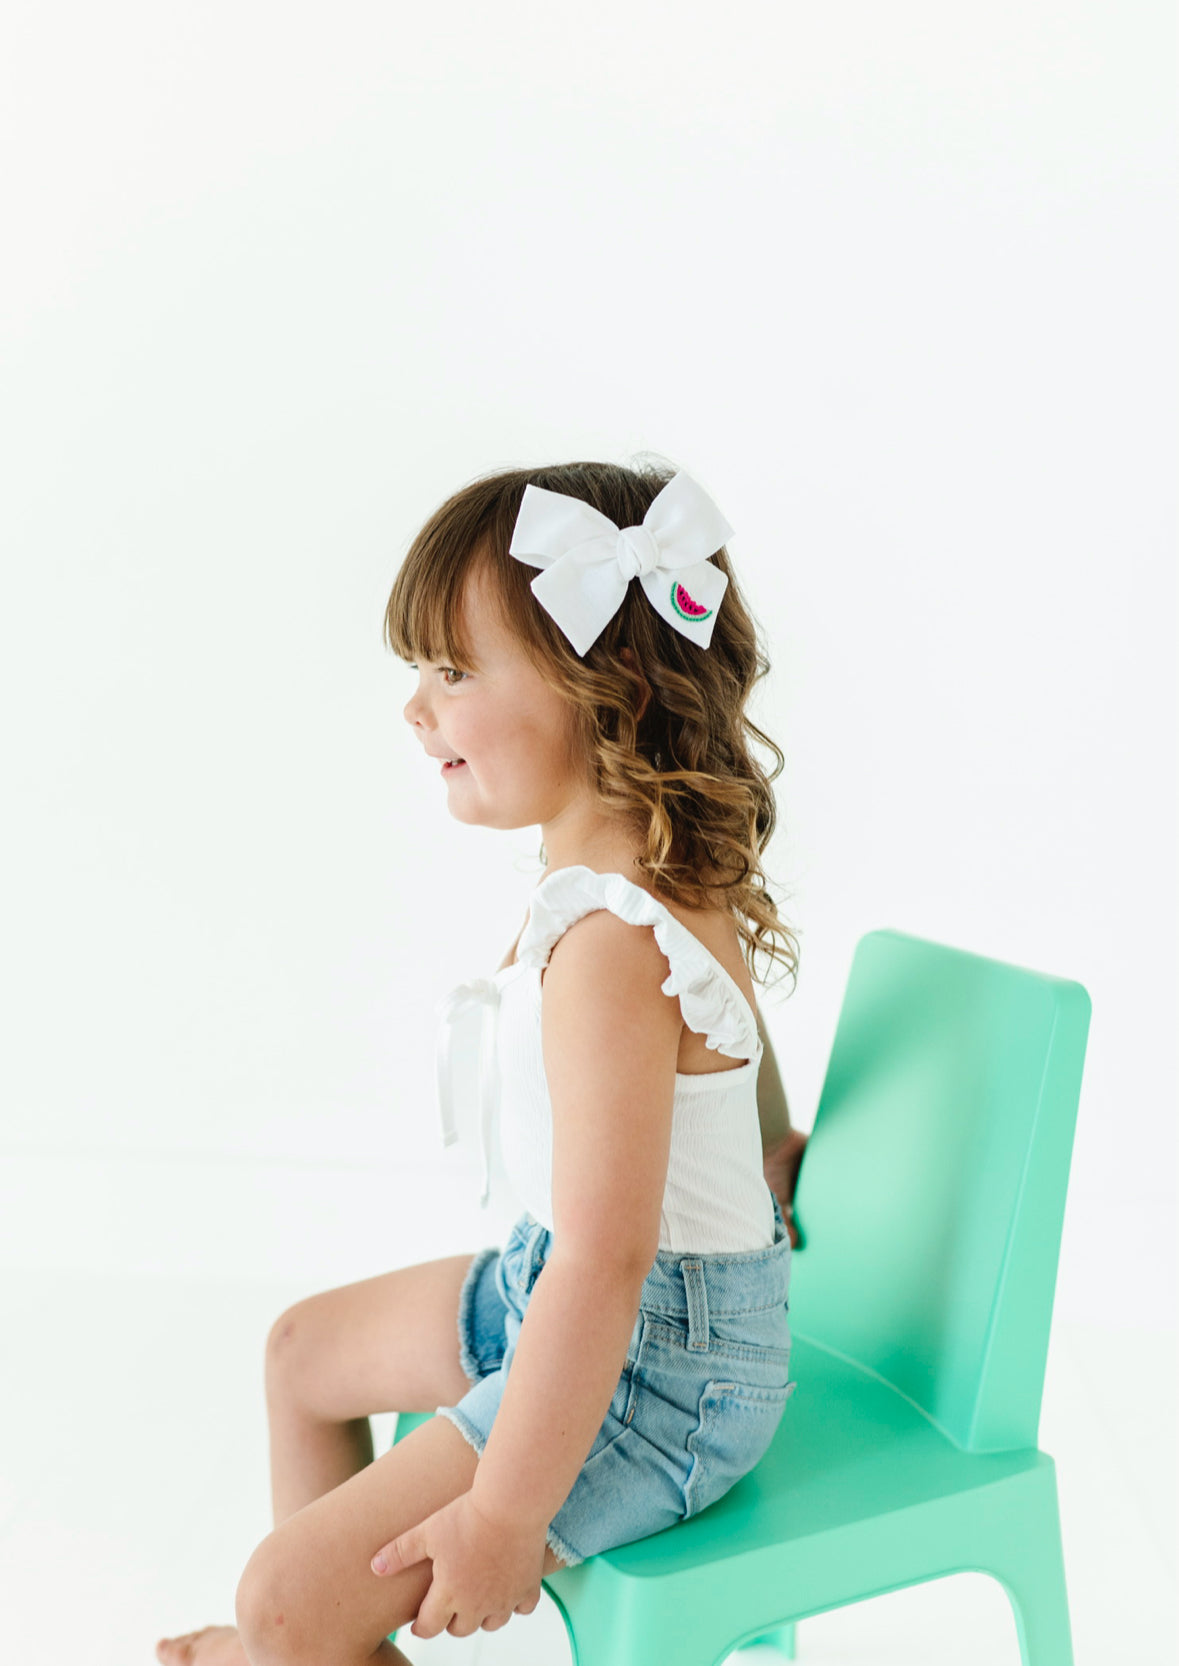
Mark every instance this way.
x=464 y=1426
x=560 y=1548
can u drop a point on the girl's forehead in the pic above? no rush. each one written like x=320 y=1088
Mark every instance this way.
x=482 y=615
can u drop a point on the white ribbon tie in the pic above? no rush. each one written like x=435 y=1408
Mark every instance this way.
x=465 y=998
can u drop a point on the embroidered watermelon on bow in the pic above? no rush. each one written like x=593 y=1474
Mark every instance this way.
x=685 y=606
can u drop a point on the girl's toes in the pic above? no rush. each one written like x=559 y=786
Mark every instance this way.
x=175 y=1651
x=210 y=1646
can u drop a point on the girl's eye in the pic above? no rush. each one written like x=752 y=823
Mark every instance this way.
x=444 y=669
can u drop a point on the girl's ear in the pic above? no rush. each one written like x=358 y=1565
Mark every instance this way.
x=628 y=654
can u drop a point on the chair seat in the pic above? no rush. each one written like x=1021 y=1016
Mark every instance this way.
x=850 y=1448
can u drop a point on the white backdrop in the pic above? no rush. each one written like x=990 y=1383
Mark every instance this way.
x=888 y=280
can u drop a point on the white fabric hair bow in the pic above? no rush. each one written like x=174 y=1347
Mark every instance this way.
x=588 y=561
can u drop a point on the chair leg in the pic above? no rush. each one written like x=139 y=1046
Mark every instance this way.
x=1032 y=1573
x=1041 y=1616
x=780 y=1638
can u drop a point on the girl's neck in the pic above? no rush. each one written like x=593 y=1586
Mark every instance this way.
x=623 y=861
x=601 y=859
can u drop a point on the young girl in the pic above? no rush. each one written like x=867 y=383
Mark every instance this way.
x=623 y=1360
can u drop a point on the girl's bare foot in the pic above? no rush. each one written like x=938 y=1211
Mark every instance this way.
x=212 y=1646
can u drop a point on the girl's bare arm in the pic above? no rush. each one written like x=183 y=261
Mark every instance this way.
x=611 y=1039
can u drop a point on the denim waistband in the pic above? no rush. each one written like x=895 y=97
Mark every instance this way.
x=724 y=1282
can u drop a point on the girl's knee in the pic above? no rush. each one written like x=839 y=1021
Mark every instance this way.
x=279 y=1609
x=292 y=1608
x=285 y=1346
x=268 y=1610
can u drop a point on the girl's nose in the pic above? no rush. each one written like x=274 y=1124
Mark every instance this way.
x=411 y=707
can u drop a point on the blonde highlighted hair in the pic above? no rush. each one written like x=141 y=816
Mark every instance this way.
x=667 y=738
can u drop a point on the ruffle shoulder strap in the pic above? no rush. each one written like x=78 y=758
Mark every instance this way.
x=711 y=1002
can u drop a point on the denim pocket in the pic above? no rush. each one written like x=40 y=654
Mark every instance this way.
x=737 y=1422
x=753 y=1347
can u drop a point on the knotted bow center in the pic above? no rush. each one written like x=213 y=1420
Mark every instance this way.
x=466 y=995
x=638 y=551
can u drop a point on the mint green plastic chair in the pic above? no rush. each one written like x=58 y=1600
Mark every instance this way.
x=929 y=1204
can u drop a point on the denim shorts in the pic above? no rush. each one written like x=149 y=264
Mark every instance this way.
x=700 y=1397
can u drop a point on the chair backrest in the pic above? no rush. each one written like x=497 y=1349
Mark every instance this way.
x=931 y=1194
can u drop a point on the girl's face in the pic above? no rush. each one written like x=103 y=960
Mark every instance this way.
x=512 y=731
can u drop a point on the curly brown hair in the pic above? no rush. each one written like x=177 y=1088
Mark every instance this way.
x=667 y=737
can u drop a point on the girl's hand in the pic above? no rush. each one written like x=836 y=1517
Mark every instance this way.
x=484 y=1569
x=780 y=1165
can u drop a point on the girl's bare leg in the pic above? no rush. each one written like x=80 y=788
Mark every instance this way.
x=388 y=1343
x=308 y=1457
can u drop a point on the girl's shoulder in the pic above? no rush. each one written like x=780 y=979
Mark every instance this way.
x=707 y=967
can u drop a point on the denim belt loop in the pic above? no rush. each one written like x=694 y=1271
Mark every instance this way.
x=697 y=1294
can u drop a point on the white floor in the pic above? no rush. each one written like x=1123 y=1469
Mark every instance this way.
x=133 y=1486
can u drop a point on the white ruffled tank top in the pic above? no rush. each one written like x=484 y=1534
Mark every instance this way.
x=716 y=1196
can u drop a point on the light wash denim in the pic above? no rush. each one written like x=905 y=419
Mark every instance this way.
x=700 y=1397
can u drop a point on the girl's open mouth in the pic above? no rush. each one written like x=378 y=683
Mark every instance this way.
x=449 y=767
